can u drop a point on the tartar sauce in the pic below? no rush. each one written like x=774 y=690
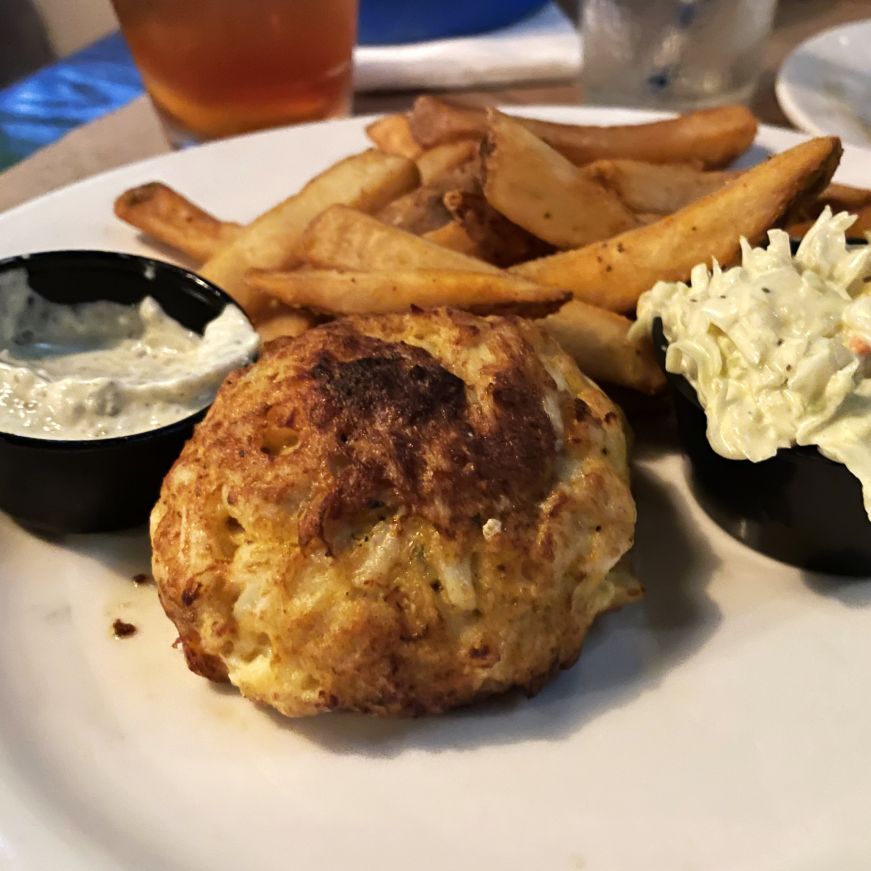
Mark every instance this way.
x=102 y=369
x=778 y=349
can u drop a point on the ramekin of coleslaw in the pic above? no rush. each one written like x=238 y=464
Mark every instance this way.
x=770 y=362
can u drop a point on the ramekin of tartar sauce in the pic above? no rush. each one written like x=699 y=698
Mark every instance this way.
x=107 y=361
x=770 y=365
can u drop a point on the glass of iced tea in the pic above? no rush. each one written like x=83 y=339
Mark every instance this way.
x=215 y=68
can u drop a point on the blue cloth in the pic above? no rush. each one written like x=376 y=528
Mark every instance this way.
x=43 y=107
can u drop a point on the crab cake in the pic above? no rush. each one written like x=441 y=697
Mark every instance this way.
x=398 y=515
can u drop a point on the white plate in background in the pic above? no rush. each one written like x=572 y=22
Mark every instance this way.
x=824 y=86
x=722 y=723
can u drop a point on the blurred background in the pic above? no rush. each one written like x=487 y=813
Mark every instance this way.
x=35 y=32
x=64 y=63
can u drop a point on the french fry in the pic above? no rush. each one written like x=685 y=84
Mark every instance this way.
x=840 y=198
x=441 y=159
x=614 y=273
x=863 y=222
x=367 y=181
x=433 y=121
x=350 y=293
x=844 y=198
x=454 y=236
x=423 y=209
x=497 y=240
x=803 y=223
x=284 y=322
x=419 y=211
x=343 y=238
x=659 y=189
x=598 y=341
x=392 y=135
x=538 y=189
x=713 y=138
x=167 y=217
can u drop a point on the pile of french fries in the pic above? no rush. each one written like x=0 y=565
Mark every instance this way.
x=492 y=213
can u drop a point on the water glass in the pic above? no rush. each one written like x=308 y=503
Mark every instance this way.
x=673 y=54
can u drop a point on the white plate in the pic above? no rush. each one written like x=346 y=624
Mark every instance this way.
x=824 y=86
x=721 y=724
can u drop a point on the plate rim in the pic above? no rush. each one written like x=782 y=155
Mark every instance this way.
x=643 y=115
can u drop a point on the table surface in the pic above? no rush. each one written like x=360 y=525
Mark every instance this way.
x=134 y=132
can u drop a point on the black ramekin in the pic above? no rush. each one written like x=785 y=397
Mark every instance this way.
x=798 y=507
x=101 y=484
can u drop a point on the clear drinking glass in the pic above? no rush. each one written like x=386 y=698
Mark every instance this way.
x=674 y=54
x=218 y=67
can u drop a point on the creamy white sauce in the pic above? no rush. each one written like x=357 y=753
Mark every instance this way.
x=778 y=349
x=101 y=369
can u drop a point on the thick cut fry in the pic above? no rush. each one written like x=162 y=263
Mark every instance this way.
x=712 y=138
x=454 y=236
x=423 y=209
x=844 y=198
x=540 y=190
x=433 y=121
x=392 y=134
x=367 y=181
x=658 y=189
x=436 y=162
x=598 y=341
x=169 y=218
x=343 y=238
x=498 y=240
x=863 y=222
x=285 y=322
x=664 y=188
x=614 y=273
x=350 y=293
x=419 y=211
x=808 y=217
x=840 y=198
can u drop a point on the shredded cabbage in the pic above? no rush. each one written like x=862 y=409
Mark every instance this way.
x=778 y=349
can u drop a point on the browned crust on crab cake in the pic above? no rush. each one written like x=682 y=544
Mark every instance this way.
x=397 y=515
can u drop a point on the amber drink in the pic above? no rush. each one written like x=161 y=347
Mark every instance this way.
x=215 y=68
